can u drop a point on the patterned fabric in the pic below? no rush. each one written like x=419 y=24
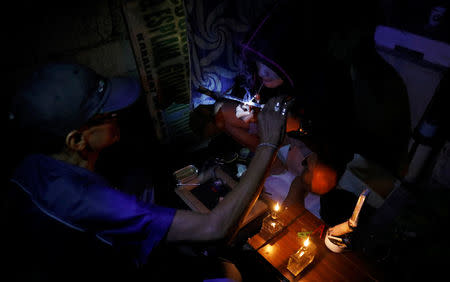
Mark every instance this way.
x=215 y=29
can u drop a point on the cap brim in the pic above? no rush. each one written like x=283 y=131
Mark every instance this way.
x=123 y=91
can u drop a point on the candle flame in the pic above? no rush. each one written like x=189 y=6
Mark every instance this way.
x=306 y=243
x=277 y=207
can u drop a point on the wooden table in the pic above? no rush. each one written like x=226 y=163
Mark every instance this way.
x=327 y=266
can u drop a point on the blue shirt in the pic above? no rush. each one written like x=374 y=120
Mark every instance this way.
x=85 y=201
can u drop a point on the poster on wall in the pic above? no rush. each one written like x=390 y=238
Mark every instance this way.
x=182 y=45
x=158 y=36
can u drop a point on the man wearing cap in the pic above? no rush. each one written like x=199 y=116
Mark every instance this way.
x=68 y=111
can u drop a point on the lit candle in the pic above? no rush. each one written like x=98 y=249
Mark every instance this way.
x=302 y=258
x=271 y=224
x=276 y=209
x=306 y=243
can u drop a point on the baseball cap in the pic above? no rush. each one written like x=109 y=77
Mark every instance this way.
x=60 y=97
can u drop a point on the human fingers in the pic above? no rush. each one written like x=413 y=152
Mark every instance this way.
x=272 y=122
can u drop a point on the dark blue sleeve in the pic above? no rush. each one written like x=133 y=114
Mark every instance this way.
x=126 y=223
x=86 y=202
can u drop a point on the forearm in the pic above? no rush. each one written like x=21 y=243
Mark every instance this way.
x=243 y=137
x=242 y=198
x=297 y=192
x=224 y=218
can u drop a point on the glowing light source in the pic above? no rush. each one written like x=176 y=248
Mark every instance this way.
x=271 y=224
x=277 y=207
x=302 y=258
x=275 y=211
x=306 y=243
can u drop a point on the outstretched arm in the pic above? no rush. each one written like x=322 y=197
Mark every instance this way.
x=224 y=218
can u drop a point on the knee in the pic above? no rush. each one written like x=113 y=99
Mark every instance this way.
x=323 y=179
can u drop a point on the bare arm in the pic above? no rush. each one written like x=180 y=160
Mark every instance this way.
x=227 y=121
x=297 y=192
x=224 y=218
x=242 y=136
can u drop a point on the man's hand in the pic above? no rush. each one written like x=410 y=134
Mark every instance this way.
x=272 y=121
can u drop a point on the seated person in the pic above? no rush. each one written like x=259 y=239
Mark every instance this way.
x=67 y=114
x=298 y=176
x=321 y=113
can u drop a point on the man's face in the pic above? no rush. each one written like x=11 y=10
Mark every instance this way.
x=103 y=134
x=269 y=78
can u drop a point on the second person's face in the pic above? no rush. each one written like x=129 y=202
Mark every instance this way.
x=269 y=78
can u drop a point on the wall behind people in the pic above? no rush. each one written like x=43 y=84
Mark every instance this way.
x=91 y=33
x=215 y=29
